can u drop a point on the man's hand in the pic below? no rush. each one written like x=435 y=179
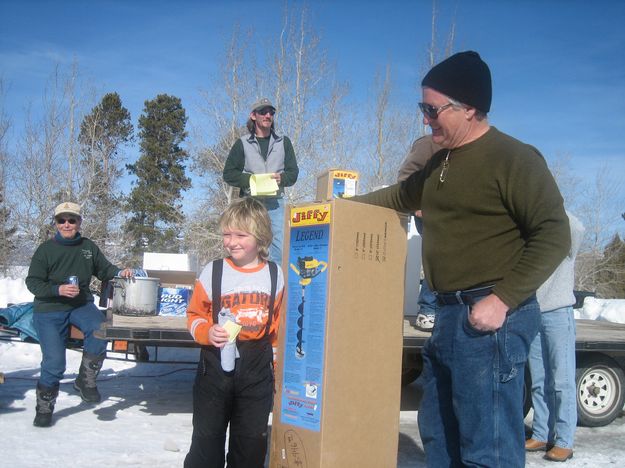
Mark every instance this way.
x=69 y=290
x=488 y=314
x=277 y=176
x=218 y=336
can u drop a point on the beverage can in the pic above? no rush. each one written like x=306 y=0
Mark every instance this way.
x=73 y=280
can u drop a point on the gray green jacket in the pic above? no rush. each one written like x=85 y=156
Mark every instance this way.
x=557 y=291
x=251 y=155
x=53 y=263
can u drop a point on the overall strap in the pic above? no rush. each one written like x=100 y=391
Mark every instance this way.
x=273 y=274
x=218 y=268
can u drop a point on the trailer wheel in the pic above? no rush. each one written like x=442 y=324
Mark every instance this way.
x=600 y=393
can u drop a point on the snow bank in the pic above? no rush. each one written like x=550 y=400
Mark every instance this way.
x=610 y=310
x=13 y=289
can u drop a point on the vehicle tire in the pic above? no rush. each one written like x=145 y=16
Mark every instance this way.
x=600 y=386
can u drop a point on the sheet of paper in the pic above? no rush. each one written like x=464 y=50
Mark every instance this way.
x=233 y=330
x=263 y=184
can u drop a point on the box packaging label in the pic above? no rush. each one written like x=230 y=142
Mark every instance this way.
x=173 y=301
x=344 y=184
x=302 y=379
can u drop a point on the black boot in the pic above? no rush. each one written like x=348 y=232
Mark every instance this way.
x=85 y=382
x=46 y=399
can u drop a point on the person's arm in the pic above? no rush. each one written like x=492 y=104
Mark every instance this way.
x=420 y=153
x=535 y=203
x=291 y=170
x=277 y=305
x=404 y=196
x=233 y=169
x=200 y=319
x=37 y=280
x=577 y=235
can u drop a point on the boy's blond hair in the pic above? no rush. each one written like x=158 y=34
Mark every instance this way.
x=249 y=215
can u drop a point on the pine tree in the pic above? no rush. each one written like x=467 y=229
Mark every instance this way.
x=103 y=132
x=155 y=201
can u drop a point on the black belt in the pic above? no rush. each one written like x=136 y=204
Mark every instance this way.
x=466 y=297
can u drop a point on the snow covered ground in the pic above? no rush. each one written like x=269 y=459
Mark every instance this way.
x=145 y=418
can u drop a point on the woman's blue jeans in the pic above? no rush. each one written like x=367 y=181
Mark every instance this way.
x=552 y=366
x=275 y=208
x=471 y=412
x=53 y=329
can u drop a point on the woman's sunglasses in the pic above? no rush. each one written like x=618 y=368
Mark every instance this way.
x=66 y=220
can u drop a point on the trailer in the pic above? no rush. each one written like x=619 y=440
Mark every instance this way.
x=600 y=354
x=599 y=376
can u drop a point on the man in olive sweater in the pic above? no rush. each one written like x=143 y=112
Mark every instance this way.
x=494 y=230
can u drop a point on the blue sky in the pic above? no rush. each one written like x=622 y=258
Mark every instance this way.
x=558 y=66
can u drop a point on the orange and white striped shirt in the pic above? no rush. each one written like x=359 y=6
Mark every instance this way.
x=246 y=292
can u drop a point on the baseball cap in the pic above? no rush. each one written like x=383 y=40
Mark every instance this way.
x=263 y=102
x=67 y=208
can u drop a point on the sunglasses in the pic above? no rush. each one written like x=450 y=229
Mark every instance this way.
x=432 y=112
x=266 y=110
x=66 y=220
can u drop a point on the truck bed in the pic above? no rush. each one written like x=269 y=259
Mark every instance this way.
x=592 y=335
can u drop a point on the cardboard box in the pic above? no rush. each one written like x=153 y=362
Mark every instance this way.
x=173 y=301
x=176 y=288
x=169 y=261
x=338 y=378
x=336 y=183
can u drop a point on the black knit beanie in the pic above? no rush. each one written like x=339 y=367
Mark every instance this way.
x=464 y=77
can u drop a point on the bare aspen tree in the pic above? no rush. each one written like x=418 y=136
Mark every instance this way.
x=37 y=184
x=435 y=54
x=104 y=132
x=568 y=183
x=7 y=226
x=599 y=212
x=302 y=84
x=337 y=149
x=44 y=178
x=70 y=92
x=222 y=107
x=389 y=135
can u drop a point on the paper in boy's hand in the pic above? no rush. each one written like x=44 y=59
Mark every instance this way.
x=263 y=184
x=233 y=330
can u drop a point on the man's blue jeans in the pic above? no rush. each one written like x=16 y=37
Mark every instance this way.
x=53 y=329
x=427 y=299
x=471 y=412
x=552 y=366
x=275 y=208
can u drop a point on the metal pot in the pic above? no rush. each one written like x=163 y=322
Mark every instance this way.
x=136 y=296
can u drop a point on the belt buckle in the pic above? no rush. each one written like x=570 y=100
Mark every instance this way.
x=459 y=297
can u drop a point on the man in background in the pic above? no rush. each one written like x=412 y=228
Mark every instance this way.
x=263 y=151
x=552 y=360
x=420 y=153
